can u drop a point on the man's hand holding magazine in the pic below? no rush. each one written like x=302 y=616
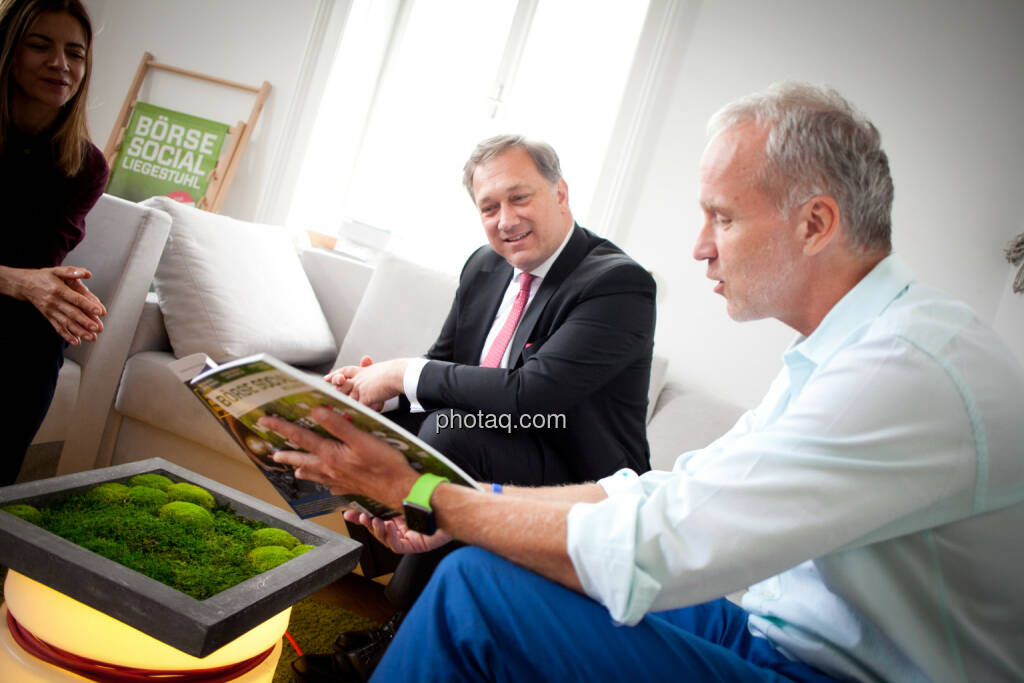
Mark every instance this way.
x=372 y=468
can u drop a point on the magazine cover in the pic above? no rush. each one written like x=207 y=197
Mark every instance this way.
x=240 y=392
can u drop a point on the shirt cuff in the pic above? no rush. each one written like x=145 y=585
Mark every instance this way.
x=623 y=481
x=411 y=381
x=602 y=546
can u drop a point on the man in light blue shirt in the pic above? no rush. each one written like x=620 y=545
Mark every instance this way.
x=873 y=501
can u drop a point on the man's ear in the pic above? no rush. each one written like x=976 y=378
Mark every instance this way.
x=819 y=223
x=562 y=193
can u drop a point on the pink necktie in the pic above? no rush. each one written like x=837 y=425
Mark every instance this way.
x=497 y=350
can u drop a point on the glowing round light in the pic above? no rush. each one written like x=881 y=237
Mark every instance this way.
x=78 y=628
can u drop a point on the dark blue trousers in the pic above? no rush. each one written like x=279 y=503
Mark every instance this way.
x=482 y=618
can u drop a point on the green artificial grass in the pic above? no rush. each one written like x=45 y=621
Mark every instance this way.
x=315 y=624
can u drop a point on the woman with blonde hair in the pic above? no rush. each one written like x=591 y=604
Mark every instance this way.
x=50 y=177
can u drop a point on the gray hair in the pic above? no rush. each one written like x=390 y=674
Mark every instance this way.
x=543 y=155
x=818 y=144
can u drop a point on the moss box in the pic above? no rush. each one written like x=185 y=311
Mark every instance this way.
x=192 y=626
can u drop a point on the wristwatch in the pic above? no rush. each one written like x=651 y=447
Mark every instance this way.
x=416 y=507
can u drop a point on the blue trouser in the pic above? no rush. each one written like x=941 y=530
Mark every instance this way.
x=482 y=618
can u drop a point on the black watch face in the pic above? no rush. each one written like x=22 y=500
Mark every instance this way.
x=419 y=518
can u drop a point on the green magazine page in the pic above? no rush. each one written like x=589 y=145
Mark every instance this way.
x=240 y=392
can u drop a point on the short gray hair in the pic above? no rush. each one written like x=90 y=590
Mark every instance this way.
x=543 y=155
x=818 y=144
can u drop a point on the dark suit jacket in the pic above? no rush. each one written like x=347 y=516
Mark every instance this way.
x=582 y=349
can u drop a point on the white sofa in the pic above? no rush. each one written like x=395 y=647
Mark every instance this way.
x=392 y=309
x=121 y=248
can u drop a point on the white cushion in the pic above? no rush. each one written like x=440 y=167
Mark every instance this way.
x=150 y=392
x=685 y=420
x=400 y=314
x=229 y=288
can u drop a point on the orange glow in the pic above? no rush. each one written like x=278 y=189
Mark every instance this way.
x=78 y=628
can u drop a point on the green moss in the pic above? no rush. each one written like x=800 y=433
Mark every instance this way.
x=190 y=493
x=146 y=497
x=26 y=512
x=186 y=512
x=111 y=492
x=269 y=556
x=151 y=480
x=199 y=561
x=301 y=548
x=272 y=536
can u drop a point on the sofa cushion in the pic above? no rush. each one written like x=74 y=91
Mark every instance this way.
x=150 y=393
x=150 y=334
x=229 y=288
x=684 y=421
x=400 y=314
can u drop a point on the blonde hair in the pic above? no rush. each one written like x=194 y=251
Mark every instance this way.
x=71 y=135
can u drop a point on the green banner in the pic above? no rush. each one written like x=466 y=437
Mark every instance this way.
x=165 y=152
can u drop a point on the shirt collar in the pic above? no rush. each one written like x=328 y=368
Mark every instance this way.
x=542 y=270
x=885 y=283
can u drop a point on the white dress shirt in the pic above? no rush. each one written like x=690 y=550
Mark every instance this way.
x=876 y=495
x=414 y=367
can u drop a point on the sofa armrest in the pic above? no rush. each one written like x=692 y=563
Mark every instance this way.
x=122 y=245
x=338 y=282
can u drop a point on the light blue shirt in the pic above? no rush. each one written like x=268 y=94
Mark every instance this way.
x=875 y=499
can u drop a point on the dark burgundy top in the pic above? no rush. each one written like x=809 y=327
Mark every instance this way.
x=42 y=212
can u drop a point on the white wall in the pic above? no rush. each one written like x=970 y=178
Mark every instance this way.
x=941 y=80
x=1009 y=318
x=246 y=41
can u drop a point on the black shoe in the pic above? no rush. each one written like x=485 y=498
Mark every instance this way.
x=365 y=659
x=364 y=649
x=350 y=641
x=333 y=668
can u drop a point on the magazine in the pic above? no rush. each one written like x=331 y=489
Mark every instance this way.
x=240 y=392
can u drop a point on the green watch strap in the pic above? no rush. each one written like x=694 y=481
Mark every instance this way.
x=423 y=489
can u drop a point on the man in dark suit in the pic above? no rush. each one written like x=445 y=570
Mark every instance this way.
x=581 y=348
x=541 y=371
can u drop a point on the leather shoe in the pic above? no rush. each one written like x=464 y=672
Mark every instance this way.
x=332 y=668
x=365 y=659
x=363 y=649
x=350 y=641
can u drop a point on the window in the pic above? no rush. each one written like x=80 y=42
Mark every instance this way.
x=417 y=84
